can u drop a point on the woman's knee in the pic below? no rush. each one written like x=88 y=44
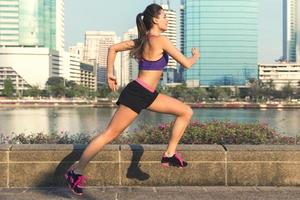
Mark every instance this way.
x=188 y=113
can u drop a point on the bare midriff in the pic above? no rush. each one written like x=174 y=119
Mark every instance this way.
x=151 y=78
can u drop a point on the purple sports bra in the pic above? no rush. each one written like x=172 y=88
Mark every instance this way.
x=154 y=65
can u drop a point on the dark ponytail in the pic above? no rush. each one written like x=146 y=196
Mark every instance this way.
x=144 y=23
x=142 y=31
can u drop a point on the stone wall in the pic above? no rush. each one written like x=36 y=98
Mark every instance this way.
x=139 y=165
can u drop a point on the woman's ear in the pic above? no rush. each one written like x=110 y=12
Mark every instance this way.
x=155 y=20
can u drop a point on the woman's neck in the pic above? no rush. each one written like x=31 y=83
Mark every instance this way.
x=154 y=31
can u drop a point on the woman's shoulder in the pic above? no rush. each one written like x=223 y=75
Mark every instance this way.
x=157 y=39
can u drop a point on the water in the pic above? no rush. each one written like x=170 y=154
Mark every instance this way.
x=93 y=120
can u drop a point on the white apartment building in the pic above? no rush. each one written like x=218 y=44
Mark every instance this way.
x=171 y=69
x=78 y=50
x=88 y=76
x=72 y=67
x=96 y=49
x=281 y=74
x=129 y=65
x=33 y=65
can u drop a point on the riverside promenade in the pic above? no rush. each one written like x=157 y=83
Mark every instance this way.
x=155 y=193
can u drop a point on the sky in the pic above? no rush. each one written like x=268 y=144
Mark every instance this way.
x=119 y=16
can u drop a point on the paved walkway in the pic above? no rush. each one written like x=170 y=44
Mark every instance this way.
x=151 y=193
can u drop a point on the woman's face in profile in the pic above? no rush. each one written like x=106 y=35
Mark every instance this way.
x=162 y=21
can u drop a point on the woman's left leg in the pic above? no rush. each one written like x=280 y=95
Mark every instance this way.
x=183 y=112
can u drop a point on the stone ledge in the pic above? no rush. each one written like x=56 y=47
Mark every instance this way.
x=51 y=147
x=139 y=165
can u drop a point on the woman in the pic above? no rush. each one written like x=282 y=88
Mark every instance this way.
x=152 y=51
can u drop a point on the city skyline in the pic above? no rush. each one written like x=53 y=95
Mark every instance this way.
x=270 y=22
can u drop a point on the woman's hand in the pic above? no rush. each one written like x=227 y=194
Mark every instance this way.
x=195 y=53
x=112 y=82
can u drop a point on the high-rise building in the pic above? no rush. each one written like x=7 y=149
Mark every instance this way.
x=32 y=39
x=171 y=69
x=182 y=26
x=96 y=49
x=291 y=30
x=129 y=65
x=182 y=38
x=32 y=23
x=226 y=33
x=78 y=50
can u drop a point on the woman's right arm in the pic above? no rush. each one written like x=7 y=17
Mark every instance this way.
x=168 y=46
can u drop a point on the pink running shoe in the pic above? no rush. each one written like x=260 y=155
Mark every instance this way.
x=75 y=181
x=176 y=160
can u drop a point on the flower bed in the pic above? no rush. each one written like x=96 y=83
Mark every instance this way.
x=212 y=132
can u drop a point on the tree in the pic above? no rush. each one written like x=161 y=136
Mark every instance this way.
x=287 y=91
x=256 y=91
x=103 y=91
x=34 y=91
x=198 y=94
x=298 y=93
x=179 y=91
x=70 y=88
x=219 y=93
x=269 y=89
x=8 y=90
x=56 y=86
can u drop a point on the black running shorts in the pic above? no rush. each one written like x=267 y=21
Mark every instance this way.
x=136 y=97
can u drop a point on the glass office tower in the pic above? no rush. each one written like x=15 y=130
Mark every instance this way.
x=226 y=32
x=32 y=23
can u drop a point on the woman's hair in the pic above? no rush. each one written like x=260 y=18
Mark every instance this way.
x=144 y=22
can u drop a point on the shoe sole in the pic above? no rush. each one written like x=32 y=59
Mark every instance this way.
x=70 y=187
x=166 y=165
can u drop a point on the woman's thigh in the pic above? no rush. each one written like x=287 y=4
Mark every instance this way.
x=122 y=118
x=169 y=105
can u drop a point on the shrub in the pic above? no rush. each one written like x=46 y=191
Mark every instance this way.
x=212 y=132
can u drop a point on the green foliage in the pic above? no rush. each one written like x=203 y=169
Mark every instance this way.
x=59 y=87
x=34 y=91
x=56 y=86
x=213 y=132
x=103 y=91
x=8 y=90
x=219 y=93
x=182 y=92
x=261 y=92
x=287 y=91
x=75 y=90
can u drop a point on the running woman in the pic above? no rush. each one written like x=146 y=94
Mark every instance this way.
x=152 y=51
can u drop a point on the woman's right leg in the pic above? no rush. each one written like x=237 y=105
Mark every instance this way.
x=122 y=118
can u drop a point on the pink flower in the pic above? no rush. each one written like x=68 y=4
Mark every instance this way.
x=162 y=126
